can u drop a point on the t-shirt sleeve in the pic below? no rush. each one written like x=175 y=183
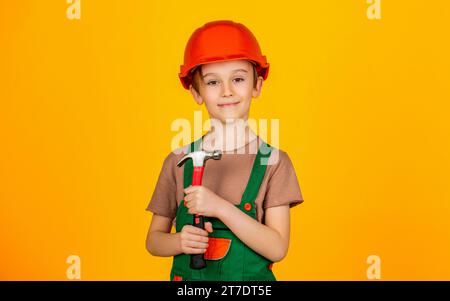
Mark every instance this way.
x=164 y=201
x=283 y=187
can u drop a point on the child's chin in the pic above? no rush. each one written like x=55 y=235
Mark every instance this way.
x=227 y=118
x=230 y=119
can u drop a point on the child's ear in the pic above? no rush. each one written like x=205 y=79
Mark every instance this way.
x=197 y=97
x=257 y=89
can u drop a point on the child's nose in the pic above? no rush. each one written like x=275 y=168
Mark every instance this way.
x=226 y=90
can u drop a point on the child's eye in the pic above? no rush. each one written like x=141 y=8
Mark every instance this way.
x=239 y=79
x=212 y=82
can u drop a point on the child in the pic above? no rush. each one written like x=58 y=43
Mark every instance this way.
x=245 y=196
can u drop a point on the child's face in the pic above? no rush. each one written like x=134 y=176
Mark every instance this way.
x=227 y=89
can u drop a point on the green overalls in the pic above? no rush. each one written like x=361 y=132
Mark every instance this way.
x=227 y=257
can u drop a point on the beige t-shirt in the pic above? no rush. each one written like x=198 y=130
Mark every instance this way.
x=228 y=178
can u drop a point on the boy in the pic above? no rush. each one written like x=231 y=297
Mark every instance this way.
x=244 y=199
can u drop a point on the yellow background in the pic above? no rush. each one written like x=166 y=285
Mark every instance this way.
x=86 y=109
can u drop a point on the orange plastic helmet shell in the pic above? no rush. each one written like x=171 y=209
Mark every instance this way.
x=218 y=41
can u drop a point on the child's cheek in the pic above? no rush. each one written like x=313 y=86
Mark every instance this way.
x=211 y=95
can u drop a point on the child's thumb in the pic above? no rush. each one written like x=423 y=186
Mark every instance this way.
x=208 y=227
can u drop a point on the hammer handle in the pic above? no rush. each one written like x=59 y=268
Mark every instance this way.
x=197 y=175
x=197 y=260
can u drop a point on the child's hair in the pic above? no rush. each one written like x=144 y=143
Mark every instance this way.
x=197 y=74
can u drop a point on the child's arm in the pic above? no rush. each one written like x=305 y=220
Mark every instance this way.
x=270 y=240
x=160 y=242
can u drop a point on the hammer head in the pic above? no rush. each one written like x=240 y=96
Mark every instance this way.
x=199 y=157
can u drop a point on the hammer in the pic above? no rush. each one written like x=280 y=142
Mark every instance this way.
x=198 y=159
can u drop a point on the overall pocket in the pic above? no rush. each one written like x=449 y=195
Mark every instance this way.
x=218 y=248
x=216 y=256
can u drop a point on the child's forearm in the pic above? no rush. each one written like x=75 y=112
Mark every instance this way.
x=257 y=236
x=163 y=244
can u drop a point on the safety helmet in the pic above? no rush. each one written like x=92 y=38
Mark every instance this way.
x=218 y=41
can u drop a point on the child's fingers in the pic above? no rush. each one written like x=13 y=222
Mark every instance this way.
x=194 y=230
x=190 y=189
x=208 y=227
x=192 y=210
x=197 y=238
x=196 y=244
x=188 y=197
x=194 y=251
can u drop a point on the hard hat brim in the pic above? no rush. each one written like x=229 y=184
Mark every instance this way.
x=186 y=74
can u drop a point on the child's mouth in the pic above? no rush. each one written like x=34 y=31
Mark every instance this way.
x=228 y=104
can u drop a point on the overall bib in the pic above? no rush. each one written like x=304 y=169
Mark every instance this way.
x=227 y=257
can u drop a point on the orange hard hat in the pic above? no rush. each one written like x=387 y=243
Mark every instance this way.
x=221 y=41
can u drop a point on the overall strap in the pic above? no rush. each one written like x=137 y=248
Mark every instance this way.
x=247 y=204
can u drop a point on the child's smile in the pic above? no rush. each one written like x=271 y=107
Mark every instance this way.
x=227 y=105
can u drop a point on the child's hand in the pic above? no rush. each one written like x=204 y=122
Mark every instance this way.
x=201 y=200
x=194 y=240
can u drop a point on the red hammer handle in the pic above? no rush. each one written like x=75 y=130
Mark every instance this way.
x=197 y=181
x=197 y=260
x=197 y=175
